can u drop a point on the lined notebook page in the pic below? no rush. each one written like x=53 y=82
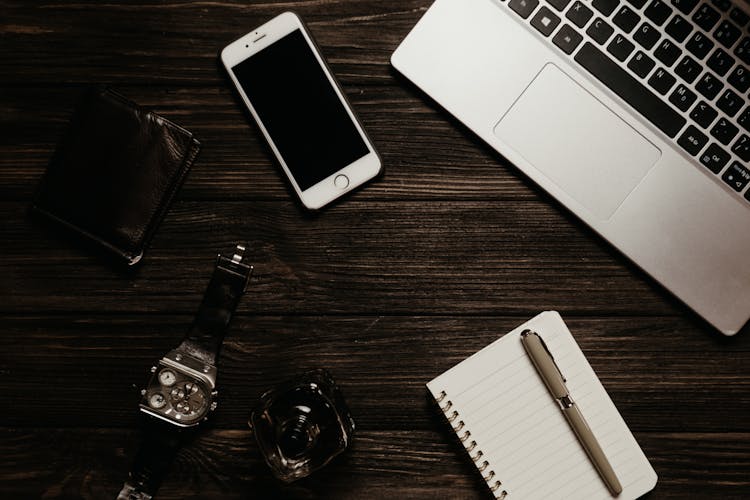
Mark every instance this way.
x=520 y=429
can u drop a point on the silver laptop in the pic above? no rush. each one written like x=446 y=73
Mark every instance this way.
x=633 y=113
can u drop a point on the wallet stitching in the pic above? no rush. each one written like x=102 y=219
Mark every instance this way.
x=178 y=173
x=145 y=233
x=132 y=253
x=188 y=157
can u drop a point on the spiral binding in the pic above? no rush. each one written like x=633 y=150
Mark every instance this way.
x=470 y=445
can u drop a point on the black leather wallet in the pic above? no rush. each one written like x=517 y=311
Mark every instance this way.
x=115 y=173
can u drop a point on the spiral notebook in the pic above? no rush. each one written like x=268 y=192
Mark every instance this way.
x=514 y=430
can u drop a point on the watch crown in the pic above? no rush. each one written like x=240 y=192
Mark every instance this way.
x=214 y=393
x=153 y=369
x=213 y=406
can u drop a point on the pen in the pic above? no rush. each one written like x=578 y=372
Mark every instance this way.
x=547 y=368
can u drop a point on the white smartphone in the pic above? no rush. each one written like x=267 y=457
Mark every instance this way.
x=301 y=110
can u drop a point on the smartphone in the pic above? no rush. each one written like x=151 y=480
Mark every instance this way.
x=301 y=110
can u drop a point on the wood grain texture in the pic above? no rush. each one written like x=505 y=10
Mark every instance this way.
x=85 y=464
x=650 y=374
x=442 y=257
x=388 y=288
x=426 y=155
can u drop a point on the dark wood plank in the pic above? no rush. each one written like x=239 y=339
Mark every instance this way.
x=418 y=164
x=416 y=464
x=654 y=368
x=387 y=289
x=166 y=43
x=358 y=257
x=436 y=158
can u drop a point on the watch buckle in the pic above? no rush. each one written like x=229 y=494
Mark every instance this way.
x=235 y=264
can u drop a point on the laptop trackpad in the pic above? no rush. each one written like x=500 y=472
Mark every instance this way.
x=577 y=142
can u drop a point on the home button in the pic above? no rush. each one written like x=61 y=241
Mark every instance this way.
x=341 y=181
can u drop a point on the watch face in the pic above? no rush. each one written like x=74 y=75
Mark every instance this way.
x=188 y=399
x=157 y=400
x=167 y=377
x=177 y=396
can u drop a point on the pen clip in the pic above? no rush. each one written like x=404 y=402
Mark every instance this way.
x=544 y=344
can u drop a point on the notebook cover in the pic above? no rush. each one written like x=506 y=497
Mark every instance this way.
x=115 y=173
x=515 y=432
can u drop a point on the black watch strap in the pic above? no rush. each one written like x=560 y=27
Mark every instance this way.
x=161 y=441
x=228 y=283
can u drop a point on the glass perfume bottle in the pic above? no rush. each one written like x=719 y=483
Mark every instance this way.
x=302 y=425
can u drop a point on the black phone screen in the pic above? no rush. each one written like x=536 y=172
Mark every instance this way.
x=300 y=109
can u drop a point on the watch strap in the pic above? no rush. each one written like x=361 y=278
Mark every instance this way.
x=157 y=452
x=228 y=282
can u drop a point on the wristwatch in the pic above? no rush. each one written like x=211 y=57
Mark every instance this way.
x=181 y=392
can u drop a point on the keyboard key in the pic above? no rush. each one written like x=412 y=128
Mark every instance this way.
x=667 y=52
x=737 y=176
x=620 y=47
x=730 y=103
x=685 y=6
x=523 y=8
x=606 y=7
x=740 y=79
x=641 y=64
x=545 y=21
x=662 y=81
x=688 y=69
x=682 y=97
x=727 y=33
x=579 y=14
x=703 y=114
x=720 y=62
x=600 y=31
x=744 y=119
x=706 y=17
x=646 y=36
x=678 y=28
x=637 y=3
x=739 y=17
x=630 y=90
x=743 y=50
x=699 y=45
x=724 y=131
x=722 y=5
x=709 y=86
x=714 y=158
x=567 y=39
x=658 y=12
x=626 y=19
x=742 y=148
x=692 y=140
x=559 y=4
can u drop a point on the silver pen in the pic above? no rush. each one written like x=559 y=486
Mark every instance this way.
x=555 y=382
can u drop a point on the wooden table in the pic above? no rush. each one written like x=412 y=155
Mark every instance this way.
x=387 y=289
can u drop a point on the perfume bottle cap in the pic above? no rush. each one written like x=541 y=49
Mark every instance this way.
x=297 y=435
x=301 y=425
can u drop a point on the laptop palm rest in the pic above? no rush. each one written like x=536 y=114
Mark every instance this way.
x=572 y=138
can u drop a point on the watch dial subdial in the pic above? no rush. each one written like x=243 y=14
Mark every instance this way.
x=188 y=399
x=167 y=378
x=157 y=400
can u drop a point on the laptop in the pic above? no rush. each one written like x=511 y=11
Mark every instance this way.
x=634 y=114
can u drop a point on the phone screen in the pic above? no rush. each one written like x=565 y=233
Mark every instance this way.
x=300 y=109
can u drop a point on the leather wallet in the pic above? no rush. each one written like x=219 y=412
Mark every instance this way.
x=115 y=173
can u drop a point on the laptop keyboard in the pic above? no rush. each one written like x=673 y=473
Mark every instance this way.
x=684 y=65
